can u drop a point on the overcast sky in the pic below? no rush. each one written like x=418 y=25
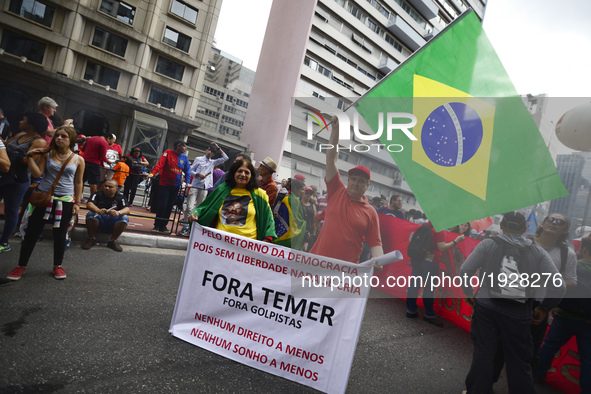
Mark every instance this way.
x=545 y=45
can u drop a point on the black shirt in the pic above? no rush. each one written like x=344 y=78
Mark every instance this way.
x=99 y=199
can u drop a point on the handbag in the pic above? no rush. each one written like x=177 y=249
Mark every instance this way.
x=42 y=199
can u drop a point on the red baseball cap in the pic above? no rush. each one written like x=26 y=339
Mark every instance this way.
x=360 y=169
x=309 y=190
x=300 y=177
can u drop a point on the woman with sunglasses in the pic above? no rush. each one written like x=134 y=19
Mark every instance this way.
x=552 y=235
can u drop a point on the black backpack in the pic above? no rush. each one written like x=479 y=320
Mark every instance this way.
x=503 y=271
x=420 y=243
x=17 y=173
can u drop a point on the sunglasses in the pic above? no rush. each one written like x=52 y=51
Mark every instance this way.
x=560 y=222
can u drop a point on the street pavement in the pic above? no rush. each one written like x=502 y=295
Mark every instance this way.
x=104 y=329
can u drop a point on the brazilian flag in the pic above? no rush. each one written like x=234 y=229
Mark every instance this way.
x=477 y=151
x=290 y=225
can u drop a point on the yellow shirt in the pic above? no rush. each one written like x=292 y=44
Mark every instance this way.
x=237 y=213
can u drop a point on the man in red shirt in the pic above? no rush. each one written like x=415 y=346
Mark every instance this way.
x=95 y=153
x=348 y=213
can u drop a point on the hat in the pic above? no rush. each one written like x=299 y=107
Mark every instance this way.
x=269 y=163
x=81 y=136
x=308 y=190
x=136 y=149
x=360 y=169
x=376 y=200
x=300 y=177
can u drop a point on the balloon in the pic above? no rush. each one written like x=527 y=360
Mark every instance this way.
x=574 y=128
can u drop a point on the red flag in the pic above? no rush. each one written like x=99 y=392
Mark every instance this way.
x=449 y=303
x=481 y=224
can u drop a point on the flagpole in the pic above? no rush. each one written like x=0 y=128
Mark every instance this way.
x=415 y=53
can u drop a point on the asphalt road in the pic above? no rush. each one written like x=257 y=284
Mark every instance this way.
x=104 y=329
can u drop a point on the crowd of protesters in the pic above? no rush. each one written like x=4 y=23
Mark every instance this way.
x=47 y=156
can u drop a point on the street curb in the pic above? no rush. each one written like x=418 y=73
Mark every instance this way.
x=79 y=234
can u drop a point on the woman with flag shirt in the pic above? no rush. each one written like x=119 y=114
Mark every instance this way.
x=256 y=220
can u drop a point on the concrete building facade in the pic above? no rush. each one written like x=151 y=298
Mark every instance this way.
x=352 y=45
x=226 y=92
x=134 y=68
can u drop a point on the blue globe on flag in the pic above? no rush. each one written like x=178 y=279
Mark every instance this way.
x=452 y=134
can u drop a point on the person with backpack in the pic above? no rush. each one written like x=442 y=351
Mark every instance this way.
x=425 y=244
x=552 y=235
x=15 y=182
x=503 y=309
x=572 y=317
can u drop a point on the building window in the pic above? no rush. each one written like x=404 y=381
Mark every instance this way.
x=413 y=14
x=176 y=39
x=102 y=75
x=314 y=65
x=209 y=101
x=344 y=156
x=229 y=130
x=236 y=101
x=234 y=111
x=184 y=11
x=213 y=92
x=378 y=6
x=118 y=9
x=307 y=144
x=33 y=10
x=163 y=97
x=318 y=95
x=206 y=123
x=233 y=121
x=109 y=42
x=208 y=112
x=18 y=45
x=374 y=27
x=169 y=68
x=356 y=12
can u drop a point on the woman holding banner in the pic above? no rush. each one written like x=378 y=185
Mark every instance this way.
x=220 y=208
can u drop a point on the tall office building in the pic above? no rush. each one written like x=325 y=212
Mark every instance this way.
x=570 y=168
x=135 y=68
x=351 y=46
x=226 y=93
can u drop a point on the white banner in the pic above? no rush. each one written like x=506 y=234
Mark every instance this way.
x=244 y=299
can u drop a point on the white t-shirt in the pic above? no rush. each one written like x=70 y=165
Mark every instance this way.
x=570 y=268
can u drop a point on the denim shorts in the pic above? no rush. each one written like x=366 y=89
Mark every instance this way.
x=106 y=222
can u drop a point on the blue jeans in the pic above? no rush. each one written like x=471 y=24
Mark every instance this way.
x=166 y=198
x=13 y=197
x=106 y=222
x=426 y=270
x=561 y=330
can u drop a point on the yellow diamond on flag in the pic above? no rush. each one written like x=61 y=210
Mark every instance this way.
x=454 y=133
